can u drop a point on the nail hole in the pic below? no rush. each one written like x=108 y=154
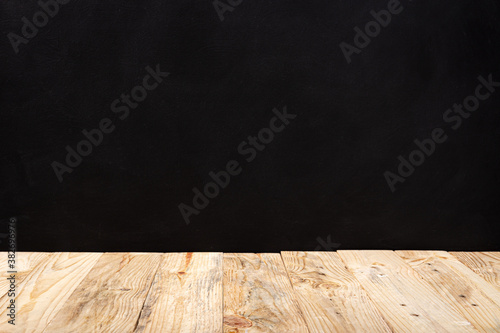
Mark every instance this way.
x=474 y=304
x=403 y=304
x=463 y=296
x=414 y=314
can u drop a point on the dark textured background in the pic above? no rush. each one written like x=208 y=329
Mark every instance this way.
x=323 y=175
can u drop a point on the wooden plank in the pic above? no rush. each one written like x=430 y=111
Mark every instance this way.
x=459 y=286
x=258 y=296
x=43 y=292
x=25 y=263
x=405 y=300
x=329 y=296
x=186 y=295
x=485 y=264
x=111 y=296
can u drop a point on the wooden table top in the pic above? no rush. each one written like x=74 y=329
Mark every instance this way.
x=343 y=291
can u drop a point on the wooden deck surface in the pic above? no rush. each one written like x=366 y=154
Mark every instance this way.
x=344 y=291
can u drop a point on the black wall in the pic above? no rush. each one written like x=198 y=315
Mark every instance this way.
x=320 y=180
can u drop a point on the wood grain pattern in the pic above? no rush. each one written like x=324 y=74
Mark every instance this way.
x=405 y=300
x=484 y=264
x=186 y=295
x=258 y=296
x=329 y=296
x=25 y=263
x=347 y=291
x=459 y=286
x=110 y=297
x=43 y=292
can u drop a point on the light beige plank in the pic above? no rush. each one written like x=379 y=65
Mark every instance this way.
x=459 y=286
x=485 y=264
x=110 y=297
x=43 y=292
x=258 y=296
x=329 y=296
x=186 y=295
x=25 y=263
x=405 y=300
